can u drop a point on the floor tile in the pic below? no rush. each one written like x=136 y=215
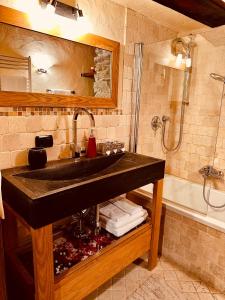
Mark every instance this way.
x=174 y=284
x=187 y=287
x=212 y=289
x=106 y=295
x=118 y=284
x=185 y=276
x=136 y=281
x=218 y=296
x=190 y=296
x=205 y=296
x=166 y=265
x=106 y=286
x=131 y=286
x=119 y=295
x=169 y=275
x=201 y=287
x=120 y=274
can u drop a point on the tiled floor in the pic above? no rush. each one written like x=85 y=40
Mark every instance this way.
x=127 y=282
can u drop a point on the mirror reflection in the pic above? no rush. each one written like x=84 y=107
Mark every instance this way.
x=35 y=62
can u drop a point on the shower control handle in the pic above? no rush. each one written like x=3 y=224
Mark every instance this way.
x=209 y=171
x=156 y=123
x=165 y=118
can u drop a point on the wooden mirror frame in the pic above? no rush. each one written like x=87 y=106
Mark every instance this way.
x=17 y=18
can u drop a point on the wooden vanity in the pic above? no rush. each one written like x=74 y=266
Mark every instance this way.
x=84 y=277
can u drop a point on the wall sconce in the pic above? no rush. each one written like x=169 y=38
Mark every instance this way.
x=182 y=50
x=62 y=9
x=41 y=62
x=41 y=70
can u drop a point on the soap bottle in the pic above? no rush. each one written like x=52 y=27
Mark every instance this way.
x=91 y=148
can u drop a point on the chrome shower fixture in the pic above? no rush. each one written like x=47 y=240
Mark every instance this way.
x=62 y=9
x=209 y=172
x=217 y=77
x=182 y=50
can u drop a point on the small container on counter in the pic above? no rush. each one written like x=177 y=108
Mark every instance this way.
x=37 y=157
x=91 y=147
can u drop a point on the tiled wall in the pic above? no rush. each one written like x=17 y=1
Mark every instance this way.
x=197 y=248
x=20 y=126
x=162 y=95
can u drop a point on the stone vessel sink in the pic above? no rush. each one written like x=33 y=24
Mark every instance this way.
x=64 y=187
x=72 y=170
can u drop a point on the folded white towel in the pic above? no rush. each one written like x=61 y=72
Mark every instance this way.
x=126 y=205
x=124 y=229
x=2 y=216
x=126 y=221
x=113 y=212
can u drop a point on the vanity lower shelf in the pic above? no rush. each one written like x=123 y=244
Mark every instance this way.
x=84 y=277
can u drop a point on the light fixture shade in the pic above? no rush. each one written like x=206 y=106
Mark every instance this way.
x=41 y=62
x=179 y=60
x=188 y=62
x=80 y=12
x=50 y=9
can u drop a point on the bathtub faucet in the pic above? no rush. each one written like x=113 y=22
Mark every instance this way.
x=209 y=171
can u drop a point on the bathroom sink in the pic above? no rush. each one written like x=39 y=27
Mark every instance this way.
x=72 y=170
x=64 y=187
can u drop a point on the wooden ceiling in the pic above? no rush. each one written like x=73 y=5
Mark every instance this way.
x=208 y=12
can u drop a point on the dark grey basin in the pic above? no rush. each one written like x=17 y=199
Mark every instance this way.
x=72 y=170
x=64 y=187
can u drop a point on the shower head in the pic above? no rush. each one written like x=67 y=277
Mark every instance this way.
x=217 y=77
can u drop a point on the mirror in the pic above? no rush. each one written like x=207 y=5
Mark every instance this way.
x=35 y=62
x=38 y=69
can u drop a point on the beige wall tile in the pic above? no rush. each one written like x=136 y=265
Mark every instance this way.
x=19 y=158
x=4 y=125
x=34 y=124
x=17 y=124
x=195 y=247
x=5 y=161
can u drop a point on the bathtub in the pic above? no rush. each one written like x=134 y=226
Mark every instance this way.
x=185 y=197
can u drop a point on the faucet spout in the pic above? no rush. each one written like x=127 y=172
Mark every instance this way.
x=77 y=112
x=88 y=112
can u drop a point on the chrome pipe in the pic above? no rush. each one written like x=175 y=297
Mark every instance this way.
x=135 y=102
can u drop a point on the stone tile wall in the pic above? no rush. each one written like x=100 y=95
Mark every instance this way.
x=19 y=126
x=197 y=248
x=162 y=95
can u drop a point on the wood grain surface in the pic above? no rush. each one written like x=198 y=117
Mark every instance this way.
x=42 y=242
x=88 y=275
x=2 y=267
x=20 y=19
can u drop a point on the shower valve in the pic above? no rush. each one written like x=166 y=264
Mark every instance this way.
x=210 y=171
x=156 y=123
x=165 y=118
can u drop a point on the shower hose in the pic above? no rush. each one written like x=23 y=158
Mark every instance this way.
x=206 y=198
x=175 y=148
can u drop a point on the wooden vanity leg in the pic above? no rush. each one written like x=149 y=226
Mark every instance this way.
x=2 y=268
x=42 y=242
x=9 y=226
x=156 y=217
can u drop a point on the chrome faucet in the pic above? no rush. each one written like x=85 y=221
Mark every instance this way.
x=75 y=116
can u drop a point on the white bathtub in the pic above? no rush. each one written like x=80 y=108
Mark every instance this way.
x=185 y=197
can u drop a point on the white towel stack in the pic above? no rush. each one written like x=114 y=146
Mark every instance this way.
x=120 y=215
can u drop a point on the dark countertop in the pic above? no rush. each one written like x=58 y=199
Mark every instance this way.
x=44 y=196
